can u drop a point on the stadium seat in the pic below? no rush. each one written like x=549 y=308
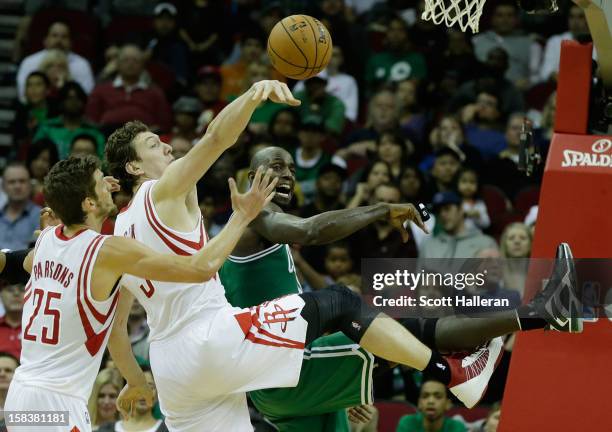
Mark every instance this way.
x=526 y=198
x=124 y=29
x=496 y=201
x=162 y=75
x=390 y=412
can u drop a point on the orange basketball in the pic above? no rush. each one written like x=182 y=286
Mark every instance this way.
x=299 y=46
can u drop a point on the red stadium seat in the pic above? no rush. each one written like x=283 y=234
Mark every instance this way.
x=496 y=201
x=389 y=414
x=163 y=76
x=526 y=198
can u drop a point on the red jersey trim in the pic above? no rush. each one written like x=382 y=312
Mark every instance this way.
x=59 y=233
x=151 y=215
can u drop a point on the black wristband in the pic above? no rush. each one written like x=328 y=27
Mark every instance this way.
x=13 y=271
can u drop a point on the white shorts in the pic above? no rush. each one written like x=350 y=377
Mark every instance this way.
x=22 y=397
x=203 y=372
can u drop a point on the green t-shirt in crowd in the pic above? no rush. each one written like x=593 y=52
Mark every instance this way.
x=414 y=423
x=387 y=66
x=54 y=130
x=306 y=173
x=330 y=110
x=264 y=112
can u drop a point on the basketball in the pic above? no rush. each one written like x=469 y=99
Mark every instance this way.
x=299 y=47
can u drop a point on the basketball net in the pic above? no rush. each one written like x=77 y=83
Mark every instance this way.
x=464 y=12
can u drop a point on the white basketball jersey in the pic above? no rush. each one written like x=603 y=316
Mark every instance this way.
x=65 y=330
x=169 y=306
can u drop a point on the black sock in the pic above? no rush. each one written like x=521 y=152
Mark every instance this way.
x=438 y=368
x=529 y=319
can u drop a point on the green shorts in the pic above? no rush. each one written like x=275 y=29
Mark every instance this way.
x=336 y=374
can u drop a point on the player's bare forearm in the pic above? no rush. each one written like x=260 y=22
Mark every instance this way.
x=320 y=229
x=119 y=344
x=183 y=174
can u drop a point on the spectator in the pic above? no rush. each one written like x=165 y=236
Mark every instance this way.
x=202 y=30
x=503 y=170
x=284 y=128
x=130 y=96
x=102 y=402
x=141 y=418
x=180 y=146
x=411 y=120
x=380 y=239
x=433 y=404
x=524 y=53
x=251 y=51
x=491 y=75
x=455 y=239
x=577 y=30
x=411 y=184
x=58 y=37
x=71 y=122
x=10 y=323
x=8 y=364
x=375 y=174
x=483 y=123
x=316 y=101
x=515 y=243
x=446 y=164
x=208 y=90
x=475 y=209
x=309 y=157
x=42 y=155
x=394 y=149
x=494 y=286
x=138 y=329
x=37 y=108
x=111 y=57
x=83 y=144
x=55 y=66
x=166 y=46
x=339 y=84
x=449 y=132
x=338 y=263
x=186 y=110
x=19 y=217
x=492 y=420
x=207 y=208
x=458 y=56
x=399 y=61
x=382 y=117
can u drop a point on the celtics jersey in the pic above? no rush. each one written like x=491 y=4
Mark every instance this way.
x=263 y=276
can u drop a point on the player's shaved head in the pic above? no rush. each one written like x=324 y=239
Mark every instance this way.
x=264 y=156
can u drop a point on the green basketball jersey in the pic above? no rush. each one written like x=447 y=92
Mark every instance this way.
x=263 y=276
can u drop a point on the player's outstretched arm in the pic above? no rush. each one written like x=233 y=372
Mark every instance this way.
x=121 y=255
x=279 y=227
x=182 y=175
x=120 y=348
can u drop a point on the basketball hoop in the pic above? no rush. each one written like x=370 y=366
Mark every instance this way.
x=467 y=12
x=450 y=12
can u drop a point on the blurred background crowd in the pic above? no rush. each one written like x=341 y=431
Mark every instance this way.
x=406 y=111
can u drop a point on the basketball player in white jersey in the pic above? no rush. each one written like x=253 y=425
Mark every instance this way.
x=205 y=354
x=73 y=294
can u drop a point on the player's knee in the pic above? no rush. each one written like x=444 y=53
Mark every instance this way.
x=350 y=300
x=353 y=316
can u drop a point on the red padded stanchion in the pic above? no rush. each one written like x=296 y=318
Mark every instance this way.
x=573 y=88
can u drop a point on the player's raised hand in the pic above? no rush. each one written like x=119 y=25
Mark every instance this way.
x=401 y=213
x=251 y=203
x=131 y=395
x=276 y=91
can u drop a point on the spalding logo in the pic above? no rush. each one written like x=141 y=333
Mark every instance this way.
x=573 y=158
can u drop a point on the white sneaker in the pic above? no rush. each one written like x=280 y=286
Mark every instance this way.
x=470 y=374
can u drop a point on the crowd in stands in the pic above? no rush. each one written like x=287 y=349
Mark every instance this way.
x=406 y=111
